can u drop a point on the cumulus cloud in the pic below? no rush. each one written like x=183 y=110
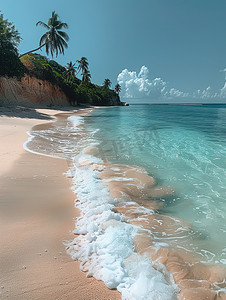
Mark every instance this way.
x=206 y=94
x=141 y=86
x=223 y=89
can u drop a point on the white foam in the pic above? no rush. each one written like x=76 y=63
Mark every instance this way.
x=26 y=147
x=115 y=169
x=76 y=120
x=104 y=244
x=223 y=261
x=141 y=209
x=118 y=178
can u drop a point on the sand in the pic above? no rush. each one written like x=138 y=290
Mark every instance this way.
x=36 y=216
x=195 y=280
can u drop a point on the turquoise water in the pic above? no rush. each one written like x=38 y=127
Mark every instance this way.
x=181 y=146
x=118 y=235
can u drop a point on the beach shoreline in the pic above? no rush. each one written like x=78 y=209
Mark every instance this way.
x=37 y=215
x=195 y=280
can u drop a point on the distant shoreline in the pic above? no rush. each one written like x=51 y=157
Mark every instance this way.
x=191 y=104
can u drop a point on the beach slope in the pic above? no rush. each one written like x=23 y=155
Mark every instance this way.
x=36 y=216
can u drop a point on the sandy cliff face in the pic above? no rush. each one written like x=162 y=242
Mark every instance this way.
x=31 y=92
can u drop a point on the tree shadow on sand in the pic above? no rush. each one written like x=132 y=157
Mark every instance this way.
x=23 y=112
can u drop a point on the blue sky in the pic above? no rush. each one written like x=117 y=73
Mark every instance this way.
x=183 y=42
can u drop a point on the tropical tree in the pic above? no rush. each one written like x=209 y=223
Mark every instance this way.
x=86 y=76
x=107 y=83
x=83 y=65
x=10 y=65
x=8 y=34
x=70 y=71
x=54 y=40
x=118 y=88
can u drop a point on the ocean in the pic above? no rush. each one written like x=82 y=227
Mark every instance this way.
x=150 y=182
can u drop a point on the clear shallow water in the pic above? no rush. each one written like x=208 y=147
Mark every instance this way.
x=181 y=146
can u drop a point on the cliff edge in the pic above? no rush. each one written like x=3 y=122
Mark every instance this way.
x=31 y=92
x=45 y=83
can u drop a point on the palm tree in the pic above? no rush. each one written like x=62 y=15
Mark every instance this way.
x=54 y=40
x=118 y=88
x=107 y=83
x=83 y=64
x=86 y=76
x=70 y=71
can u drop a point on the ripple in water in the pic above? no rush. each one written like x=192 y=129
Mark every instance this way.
x=175 y=195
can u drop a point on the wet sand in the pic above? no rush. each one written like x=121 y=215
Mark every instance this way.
x=196 y=280
x=36 y=216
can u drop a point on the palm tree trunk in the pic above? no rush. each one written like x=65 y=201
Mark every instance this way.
x=32 y=50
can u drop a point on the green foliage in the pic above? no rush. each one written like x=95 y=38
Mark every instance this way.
x=107 y=83
x=83 y=65
x=10 y=64
x=55 y=40
x=8 y=33
x=56 y=66
x=70 y=72
x=86 y=76
x=76 y=90
x=39 y=66
x=43 y=68
x=118 y=88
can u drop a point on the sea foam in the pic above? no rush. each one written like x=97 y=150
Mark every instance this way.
x=104 y=242
x=76 y=120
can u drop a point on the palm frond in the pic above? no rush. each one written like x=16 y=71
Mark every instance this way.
x=62 y=25
x=60 y=46
x=63 y=34
x=62 y=41
x=42 y=24
x=55 y=40
x=43 y=39
x=55 y=45
x=47 y=48
x=53 y=21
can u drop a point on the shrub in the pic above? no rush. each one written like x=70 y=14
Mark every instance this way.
x=10 y=65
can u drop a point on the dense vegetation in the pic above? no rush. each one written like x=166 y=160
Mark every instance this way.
x=54 y=40
x=10 y=65
x=80 y=91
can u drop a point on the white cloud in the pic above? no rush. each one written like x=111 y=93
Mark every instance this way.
x=141 y=86
x=143 y=72
x=223 y=91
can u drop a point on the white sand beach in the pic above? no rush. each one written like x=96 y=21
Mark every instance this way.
x=36 y=215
